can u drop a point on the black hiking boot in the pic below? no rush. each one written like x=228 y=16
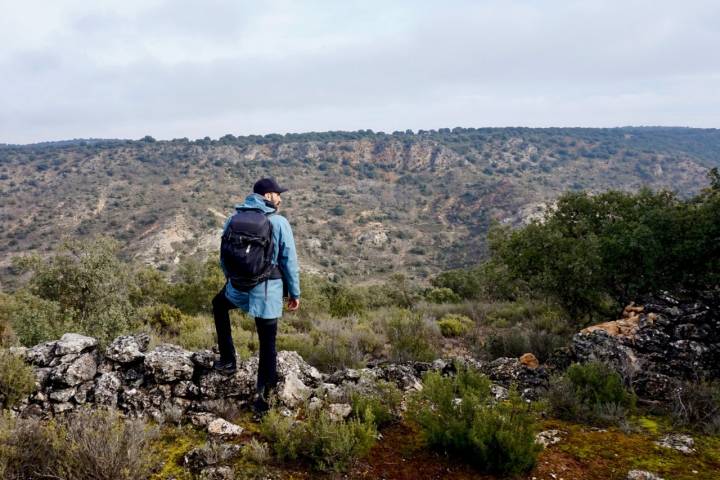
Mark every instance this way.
x=260 y=407
x=225 y=367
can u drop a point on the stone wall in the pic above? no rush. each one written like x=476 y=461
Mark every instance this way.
x=169 y=382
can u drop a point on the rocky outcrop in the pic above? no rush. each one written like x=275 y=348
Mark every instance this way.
x=663 y=339
x=168 y=382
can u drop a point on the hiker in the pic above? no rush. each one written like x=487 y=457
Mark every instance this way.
x=258 y=257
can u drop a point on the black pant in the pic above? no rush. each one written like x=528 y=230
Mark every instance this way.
x=267 y=332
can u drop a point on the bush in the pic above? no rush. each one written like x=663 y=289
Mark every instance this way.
x=342 y=301
x=452 y=325
x=17 y=379
x=590 y=392
x=89 y=285
x=326 y=443
x=35 y=320
x=412 y=337
x=382 y=402
x=197 y=284
x=457 y=416
x=88 y=444
x=697 y=405
x=442 y=295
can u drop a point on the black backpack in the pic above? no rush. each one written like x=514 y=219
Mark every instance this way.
x=246 y=249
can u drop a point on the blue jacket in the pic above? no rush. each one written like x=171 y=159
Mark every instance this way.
x=255 y=302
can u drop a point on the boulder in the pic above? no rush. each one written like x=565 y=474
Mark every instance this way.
x=659 y=343
x=81 y=369
x=107 y=388
x=678 y=441
x=224 y=429
x=73 y=343
x=169 y=363
x=339 y=411
x=41 y=354
x=509 y=371
x=549 y=437
x=128 y=348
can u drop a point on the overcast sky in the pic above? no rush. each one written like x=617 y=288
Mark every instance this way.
x=129 y=68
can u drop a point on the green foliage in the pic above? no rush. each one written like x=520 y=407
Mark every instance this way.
x=540 y=335
x=342 y=301
x=17 y=379
x=453 y=325
x=412 y=337
x=34 y=319
x=457 y=416
x=489 y=280
x=327 y=443
x=594 y=253
x=442 y=295
x=590 y=392
x=84 y=286
x=381 y=404
x=197 y=284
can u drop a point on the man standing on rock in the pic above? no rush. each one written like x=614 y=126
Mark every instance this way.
x=257 y=255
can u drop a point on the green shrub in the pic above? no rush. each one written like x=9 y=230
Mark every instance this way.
x=412 y=337
x=457 y=416
x=453 y=325
x=89 y=285
x=697 y=405
x=590 y=392
x=382 y=402
x=35 y=320
x=343 y=301
x=326 y=443
x=442 y=295
x=162 y=317
x=17 y=379
x=196 y=286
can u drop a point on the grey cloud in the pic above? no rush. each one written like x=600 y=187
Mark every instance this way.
x=462 y=63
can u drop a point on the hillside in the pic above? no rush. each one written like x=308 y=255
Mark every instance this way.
x=362 y=204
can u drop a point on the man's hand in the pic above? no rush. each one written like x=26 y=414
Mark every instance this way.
x=293 y=304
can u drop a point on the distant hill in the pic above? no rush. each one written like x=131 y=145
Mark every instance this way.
x=363 y=204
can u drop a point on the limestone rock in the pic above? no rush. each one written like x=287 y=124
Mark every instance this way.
x=642 y=475
x=169 y=363
x=74 y=343
x=678 y=441
x=659 y=343
x=128 y=348
x=212 y=454
x=61 y=396
x=203 y=358
x=217 y=473
x=339 y=411
x=81 y=369
x=509 y=371
x=223 y=428
x=41 y=354
x=107 y=387
x=549 y=437
x=292 y=391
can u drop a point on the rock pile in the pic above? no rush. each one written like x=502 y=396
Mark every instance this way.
x=664 y=339
x=171 y=383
